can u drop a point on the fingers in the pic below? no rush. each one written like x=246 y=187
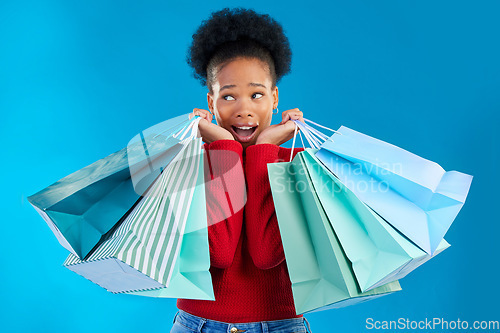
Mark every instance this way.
x=204 y=114
x=293 y=114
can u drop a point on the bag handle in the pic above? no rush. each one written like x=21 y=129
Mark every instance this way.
x=314 y=137
x=191 y=128
x=187 y=121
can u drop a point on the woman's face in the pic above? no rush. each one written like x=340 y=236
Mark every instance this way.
x=243 y=99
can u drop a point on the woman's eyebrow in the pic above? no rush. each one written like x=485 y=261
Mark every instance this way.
x=252 y=84
x=228 y=86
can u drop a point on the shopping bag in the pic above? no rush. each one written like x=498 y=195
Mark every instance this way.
x=85 y=205
x=321 y=275
x=415 y=195
x=142 y=252
x=379 y=253
x=191 y=277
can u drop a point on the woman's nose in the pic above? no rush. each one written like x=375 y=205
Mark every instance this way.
x=245 y=114
x=245 y=109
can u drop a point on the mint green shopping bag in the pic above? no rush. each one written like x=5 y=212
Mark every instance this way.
x=321 y=275
x=379 y=254
x=143 y=252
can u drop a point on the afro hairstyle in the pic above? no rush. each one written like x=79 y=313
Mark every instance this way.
x=238 y=32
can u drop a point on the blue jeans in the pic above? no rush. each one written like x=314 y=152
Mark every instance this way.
x=187 y=323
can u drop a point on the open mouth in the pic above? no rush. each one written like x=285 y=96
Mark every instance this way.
x=244 y=133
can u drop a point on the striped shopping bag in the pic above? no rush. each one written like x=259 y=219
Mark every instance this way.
x=141 y=253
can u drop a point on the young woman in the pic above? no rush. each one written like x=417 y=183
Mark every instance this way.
x=240 y=56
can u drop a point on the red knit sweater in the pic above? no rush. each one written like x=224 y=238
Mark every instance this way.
x=248 y=267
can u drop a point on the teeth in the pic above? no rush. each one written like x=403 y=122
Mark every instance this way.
x=244 y=127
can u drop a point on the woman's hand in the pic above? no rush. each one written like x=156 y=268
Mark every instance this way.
x=282 y=132
x=209 y=131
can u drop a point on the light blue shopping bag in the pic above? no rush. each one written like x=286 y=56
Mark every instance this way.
x=415 y=195
x=82 y=207
x=379 y=254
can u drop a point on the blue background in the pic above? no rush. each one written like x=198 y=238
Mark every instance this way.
x=78 y=79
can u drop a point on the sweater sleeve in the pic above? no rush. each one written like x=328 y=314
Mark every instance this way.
x=261 y=226
x=225 y=195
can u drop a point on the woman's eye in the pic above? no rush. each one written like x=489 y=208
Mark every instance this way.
x=228 y=98
x=257 y=95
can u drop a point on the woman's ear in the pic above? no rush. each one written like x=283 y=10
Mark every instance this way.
x=275 y=97
x=210 y=102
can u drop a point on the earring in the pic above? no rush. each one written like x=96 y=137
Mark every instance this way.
x=276 y=111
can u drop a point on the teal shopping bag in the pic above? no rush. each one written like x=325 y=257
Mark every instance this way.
x=163 y=243
x=321 y=275
x=85 y=205
x=415 y=195
x=379 y=253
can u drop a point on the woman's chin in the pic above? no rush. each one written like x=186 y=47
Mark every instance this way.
x=246 y=144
